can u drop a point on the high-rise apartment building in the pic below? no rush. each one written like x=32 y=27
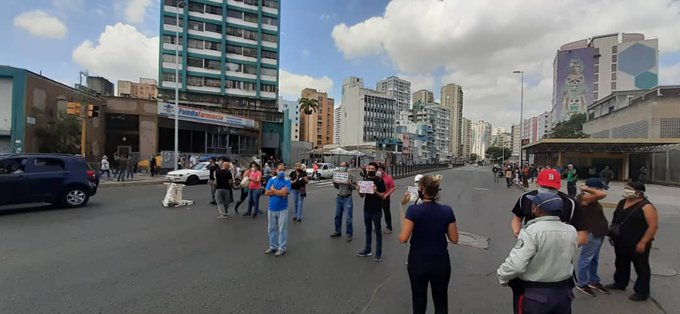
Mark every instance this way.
x=515 y=131
x=424 y=96
x=397 y=88
x=466 y=137
x=228 y=55
x=293 y=108
x=367 y=115
x=452 y=98
x=437 y=117
x=590 y=69
x=544 y=125
x=481 y=138
x=338 y=126
x=317 y=127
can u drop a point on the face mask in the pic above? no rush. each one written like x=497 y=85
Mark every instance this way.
x=371 y=173
x=342 y=169
x=546 y=190
x=627 y=193
x=379 y=173
x=281 y=174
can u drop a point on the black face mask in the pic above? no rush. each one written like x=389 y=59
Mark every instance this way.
x=371 y=173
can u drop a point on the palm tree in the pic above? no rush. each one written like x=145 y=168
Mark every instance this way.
x=308 y=105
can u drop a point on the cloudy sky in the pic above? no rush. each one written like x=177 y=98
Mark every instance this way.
x=476 y=44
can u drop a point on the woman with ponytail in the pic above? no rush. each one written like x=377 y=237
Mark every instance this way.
x=427 y=225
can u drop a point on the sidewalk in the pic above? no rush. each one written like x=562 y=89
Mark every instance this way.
x=139 y=179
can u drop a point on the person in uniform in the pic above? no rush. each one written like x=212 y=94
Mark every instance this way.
x=539 y=265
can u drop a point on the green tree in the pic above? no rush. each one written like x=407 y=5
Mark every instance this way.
x=60 y=136
x=496 y=152
x=308 y=105
x=572 y=128
x=473 y=157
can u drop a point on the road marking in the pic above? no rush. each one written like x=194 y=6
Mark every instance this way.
x=481 y=189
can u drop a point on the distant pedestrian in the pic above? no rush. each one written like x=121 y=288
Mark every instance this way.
x=298 y=179
x=244 y=191
x=635 y=224
x=223 y=196
x=114 y=164
x=572 y=178
x=539 y=265
x=642 y=177
x=254 y=189
x=132 y=167
x=123 y=164
x=152 y=165
x=373 y=213
x=343 y=203
x=315 y=171
x=277 y=189
x=525 y=177
x=426 y=225
x=104 y=167
x=495 y=171
x=589 y=199
x=391 y=187
x=606 y=175
x=212 y=168
x=508 y=176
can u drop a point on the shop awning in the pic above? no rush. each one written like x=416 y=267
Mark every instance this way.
x=597 y=145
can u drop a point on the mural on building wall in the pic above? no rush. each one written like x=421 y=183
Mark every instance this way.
x=574 y=81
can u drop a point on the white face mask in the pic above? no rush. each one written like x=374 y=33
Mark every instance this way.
x=628 y=193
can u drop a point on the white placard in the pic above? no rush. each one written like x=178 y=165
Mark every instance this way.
x=413 y=192
x=366 y=187
x=341 y=177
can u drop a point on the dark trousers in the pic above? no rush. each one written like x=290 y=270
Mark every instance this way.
x=436 y=275
x=571 y=188
x=388 y=214
x=372 y=221
x=625 y=255
x=508 y=181
x=555 y=300
x=244 y=197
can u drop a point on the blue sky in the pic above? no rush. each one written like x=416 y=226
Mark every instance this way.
x=429 y=42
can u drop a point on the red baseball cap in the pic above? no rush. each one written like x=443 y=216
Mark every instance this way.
x=549 y=178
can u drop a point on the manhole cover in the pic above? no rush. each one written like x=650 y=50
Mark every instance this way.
x=473 y=240
x=662 y=270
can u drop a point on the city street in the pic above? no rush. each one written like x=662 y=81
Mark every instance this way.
x=125 y=253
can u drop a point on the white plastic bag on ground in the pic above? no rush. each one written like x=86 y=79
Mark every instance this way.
x=173 y=196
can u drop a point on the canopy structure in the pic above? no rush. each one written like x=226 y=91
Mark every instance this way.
x=599 y=145
x=338 y=151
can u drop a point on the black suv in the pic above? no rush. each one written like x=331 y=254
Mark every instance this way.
x=63 y=180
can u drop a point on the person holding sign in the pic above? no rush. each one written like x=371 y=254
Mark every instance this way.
x=372 y=210
x=426 y=225
x=298 y=179
x=343 y=181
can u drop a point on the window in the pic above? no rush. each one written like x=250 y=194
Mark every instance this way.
x=212 y=64
x=233 y=67
x=47 y=165
x=271 y=4
x=213 y=28
x=249 y=35
x=250 y=17
x=615 y=49
x=235 y=14
x=170 y=77
x=172 y=20
x=614 y=67
x=596 y=86
x=268 y=72
x=213 y=9
x=595 y=95
x=13 y=165
x=268 y=88
x=613 y=86
x=170 y=39
x=197 y=26
x=196 y=44
x=194 y=80
x=269 y=37
x=196 y=7
x=233 y=31
x=270 y=20
x=614 y=58
x=213 y=46
x=195 y=62
x=614 y=76
x=234 y=49
x=269 y=54
x=171 y=2
x=248 y=86
x=233 y=84
x=249 y=69
x=168 y=58
x=250 y=2
x=211 y=82
x=596 y=69
x=250 y=52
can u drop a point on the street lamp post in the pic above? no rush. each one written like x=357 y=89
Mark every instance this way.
x=521 y=113
x=180 y=6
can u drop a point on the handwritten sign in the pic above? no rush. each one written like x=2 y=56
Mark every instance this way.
x=341 y=177
x=366 y=187
x=413 y=192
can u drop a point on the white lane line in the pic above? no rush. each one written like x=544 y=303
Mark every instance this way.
x=481 y=189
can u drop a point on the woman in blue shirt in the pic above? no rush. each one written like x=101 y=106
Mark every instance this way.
x=427 y=225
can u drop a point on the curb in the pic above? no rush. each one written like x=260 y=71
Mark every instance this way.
x=131 y=183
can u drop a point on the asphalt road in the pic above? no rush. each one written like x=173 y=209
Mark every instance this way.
x=125 y=253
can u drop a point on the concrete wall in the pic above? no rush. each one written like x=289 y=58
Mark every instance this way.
x=147 y=111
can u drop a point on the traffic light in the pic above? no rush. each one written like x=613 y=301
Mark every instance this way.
x=92 y=111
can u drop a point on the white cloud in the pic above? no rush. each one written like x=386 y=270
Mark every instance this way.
x=41 y=24
x=478 y=44
x=291 y=84
x=135 y=10
x=122 y=53
x=419 y=81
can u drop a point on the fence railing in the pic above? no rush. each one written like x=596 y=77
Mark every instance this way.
x=409 y=170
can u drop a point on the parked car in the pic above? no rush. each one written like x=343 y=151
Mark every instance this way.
x=326 y=171
x=63 y=180
x=199 y=173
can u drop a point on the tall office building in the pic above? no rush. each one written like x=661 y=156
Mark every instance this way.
x=544 y=125
x=228 y=55
x=317 y=127
x=515 y=142
x=424 y=96
x=293 y=108
x=337 y=127
x=481 y=138
x=466 y=137
x=452 y=98
x=397 y=88
x=590 y=69
x=368 y=115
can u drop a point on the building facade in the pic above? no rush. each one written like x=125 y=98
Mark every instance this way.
x=100 y=85
x=424 y=96
x=452 y=98
x=293 y=108
x=317 y=127
x=544 y=125
x=145 y=89
x=436 y=116
x=516 y=142
x=396 y=88
x=587 y=70
x=370 y=113
x=338 y=126
x=228 y=56
x=466 y=137
x=481 y=138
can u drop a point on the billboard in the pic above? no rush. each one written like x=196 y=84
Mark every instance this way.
x=574 y=76
x=205 y=116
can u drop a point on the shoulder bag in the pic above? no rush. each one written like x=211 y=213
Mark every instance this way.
x=614 y=231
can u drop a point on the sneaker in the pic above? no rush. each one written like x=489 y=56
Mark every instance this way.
x=213 y=203
x=335 y=235
x=269 y=251
x=613 y=286
x=364 y=254
x=637 y=298
x=377 y=259
x=299 y=220
x=279 y=253
x=387 y=231
x=225 y=217
x=599 y=287
x=348 y=239
x=586 y=290
x=246 y=214
x=294 y=219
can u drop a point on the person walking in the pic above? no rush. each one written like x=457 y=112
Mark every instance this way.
x=152 y=165
x=254 y=189
x=104 y=167
x=642 y=177
x=298 y=179
x=508 y=176
x=495 y=171
x=244 y=191
x=373 y=213
x=122 y=167
x=212 y=168
x=426 y=225
x=632 y=231
x=589 y=199
x=222 y=186
x=277 y=189
x=343 y=203
x=540 y=263
x=132 y=167
x=572 y=178
x=391 y=187
x=525 y=176
x=114 y=164
x=606 y=175
x=315 y=171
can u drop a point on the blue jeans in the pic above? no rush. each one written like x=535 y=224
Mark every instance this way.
x=254 y=201
x=372 y=221
x=343 y=204
x=588 y=261
x=298 y=200
x=278 y=229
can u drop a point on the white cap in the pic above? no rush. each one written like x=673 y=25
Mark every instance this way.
x=418 y=177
